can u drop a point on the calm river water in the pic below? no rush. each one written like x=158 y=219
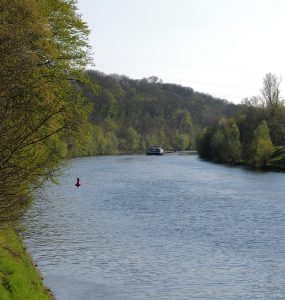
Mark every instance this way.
x=170 y=227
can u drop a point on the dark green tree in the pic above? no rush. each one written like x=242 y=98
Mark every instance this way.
x=225 y=142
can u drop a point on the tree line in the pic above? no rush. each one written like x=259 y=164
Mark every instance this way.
x=256 y=136
x=129 y=115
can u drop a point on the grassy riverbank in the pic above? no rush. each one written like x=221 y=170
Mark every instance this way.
x=19 y=279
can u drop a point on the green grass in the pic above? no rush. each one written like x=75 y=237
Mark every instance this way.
x=277 y=159
x=19 y=279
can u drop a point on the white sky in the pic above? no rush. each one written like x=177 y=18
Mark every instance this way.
x=220 y=47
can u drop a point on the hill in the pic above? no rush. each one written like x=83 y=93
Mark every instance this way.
x=128 y=115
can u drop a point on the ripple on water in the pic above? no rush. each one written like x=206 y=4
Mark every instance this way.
x=171 y=227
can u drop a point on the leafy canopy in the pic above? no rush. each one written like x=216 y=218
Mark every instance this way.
x=43 y=51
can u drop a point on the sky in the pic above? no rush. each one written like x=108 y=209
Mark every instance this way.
x=219 y=47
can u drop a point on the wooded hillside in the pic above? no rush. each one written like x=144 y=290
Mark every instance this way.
x=129 y=115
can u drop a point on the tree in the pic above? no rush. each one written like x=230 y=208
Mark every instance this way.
x=183 y=121
x=270 y=107
x=132 y=140
x=203 y=142
x=261 y=146
x=274 y=108
x=42 y=55
x=182 y=141
x=225 y=142
x=271 y=92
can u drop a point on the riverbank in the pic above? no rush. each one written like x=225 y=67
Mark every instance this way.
x=19 y=278
x=276 y=161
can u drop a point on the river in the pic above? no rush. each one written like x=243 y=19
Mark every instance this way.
x=169 y=227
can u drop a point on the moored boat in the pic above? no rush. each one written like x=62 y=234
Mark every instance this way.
x=154 y=150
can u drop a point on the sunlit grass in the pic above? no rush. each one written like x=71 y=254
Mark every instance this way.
x=19 y=280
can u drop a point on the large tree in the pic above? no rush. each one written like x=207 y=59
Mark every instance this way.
x=274 y=108
x=43 y=50
x=225 y=142
x=270 y=91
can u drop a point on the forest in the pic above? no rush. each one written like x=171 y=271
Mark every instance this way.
x=128 y=115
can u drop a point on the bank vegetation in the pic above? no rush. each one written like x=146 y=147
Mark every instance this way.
x=255 y=136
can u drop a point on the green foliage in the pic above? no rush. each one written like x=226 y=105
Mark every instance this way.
x=277 y=158
x=43 y=51
x=182 y=141
x=183 y=120
x=204 y=141
x=140 y=113
x=276 y=124
x=274 y=109
x=132 y=140
x=19 y=280
x=261 y=146
x=261 y=125
x=248 y=120
x=221 y=142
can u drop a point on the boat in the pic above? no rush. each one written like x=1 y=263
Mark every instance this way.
x=154 y=150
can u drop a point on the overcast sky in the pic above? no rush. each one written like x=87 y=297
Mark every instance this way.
x=220 y=47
